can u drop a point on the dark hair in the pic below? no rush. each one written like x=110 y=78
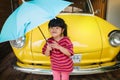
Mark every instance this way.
x=58 y=22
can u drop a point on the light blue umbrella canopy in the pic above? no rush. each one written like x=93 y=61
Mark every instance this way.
x=29 y=15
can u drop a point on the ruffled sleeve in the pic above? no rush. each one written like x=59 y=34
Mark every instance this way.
x=44 y=48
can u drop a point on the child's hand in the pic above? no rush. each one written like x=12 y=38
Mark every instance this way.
x=55 y=45
x=49 y=48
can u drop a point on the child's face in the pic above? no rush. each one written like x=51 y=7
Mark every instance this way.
x=56 y=31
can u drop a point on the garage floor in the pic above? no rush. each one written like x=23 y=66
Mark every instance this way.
x=8 y=73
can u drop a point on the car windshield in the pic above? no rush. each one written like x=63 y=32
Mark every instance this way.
x=79 y=6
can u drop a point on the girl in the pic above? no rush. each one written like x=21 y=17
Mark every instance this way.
x=60 y=49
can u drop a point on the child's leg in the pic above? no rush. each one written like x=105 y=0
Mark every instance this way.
x=56 y=75
x=65 y=75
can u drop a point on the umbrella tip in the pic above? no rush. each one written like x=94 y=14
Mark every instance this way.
x=23 y=0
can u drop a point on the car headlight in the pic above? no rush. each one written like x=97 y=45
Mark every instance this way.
x=18 y=43
x=114 y=38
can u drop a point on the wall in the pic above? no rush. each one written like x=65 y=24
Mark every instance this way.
x=113 y=12
x=100 y=7
x=6 y=8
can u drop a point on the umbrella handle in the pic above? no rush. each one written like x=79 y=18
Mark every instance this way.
x=42 y=33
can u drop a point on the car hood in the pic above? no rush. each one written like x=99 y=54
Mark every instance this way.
x=88 y=33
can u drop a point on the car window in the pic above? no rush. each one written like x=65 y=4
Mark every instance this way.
x=78 y=6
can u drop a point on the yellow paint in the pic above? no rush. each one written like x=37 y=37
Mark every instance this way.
x=89 y=35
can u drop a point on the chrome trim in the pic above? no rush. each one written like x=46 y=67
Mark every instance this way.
x=91 y=7
x=18 y=43
x=75 y=72
x=114 y=38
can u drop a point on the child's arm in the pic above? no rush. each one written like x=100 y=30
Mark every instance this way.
x=62 y=49
x=47 y=52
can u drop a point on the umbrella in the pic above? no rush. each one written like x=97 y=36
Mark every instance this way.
x=28 y=16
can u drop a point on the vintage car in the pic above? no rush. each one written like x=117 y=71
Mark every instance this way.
x=96 y=43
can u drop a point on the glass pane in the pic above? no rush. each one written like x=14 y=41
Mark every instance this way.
x=78 y=6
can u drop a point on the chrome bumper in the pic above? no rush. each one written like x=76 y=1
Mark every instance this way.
x=75 y=71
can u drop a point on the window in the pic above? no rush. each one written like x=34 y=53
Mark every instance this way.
x=78 y=6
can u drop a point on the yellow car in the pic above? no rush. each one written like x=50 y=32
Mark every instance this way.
x=96 y=43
